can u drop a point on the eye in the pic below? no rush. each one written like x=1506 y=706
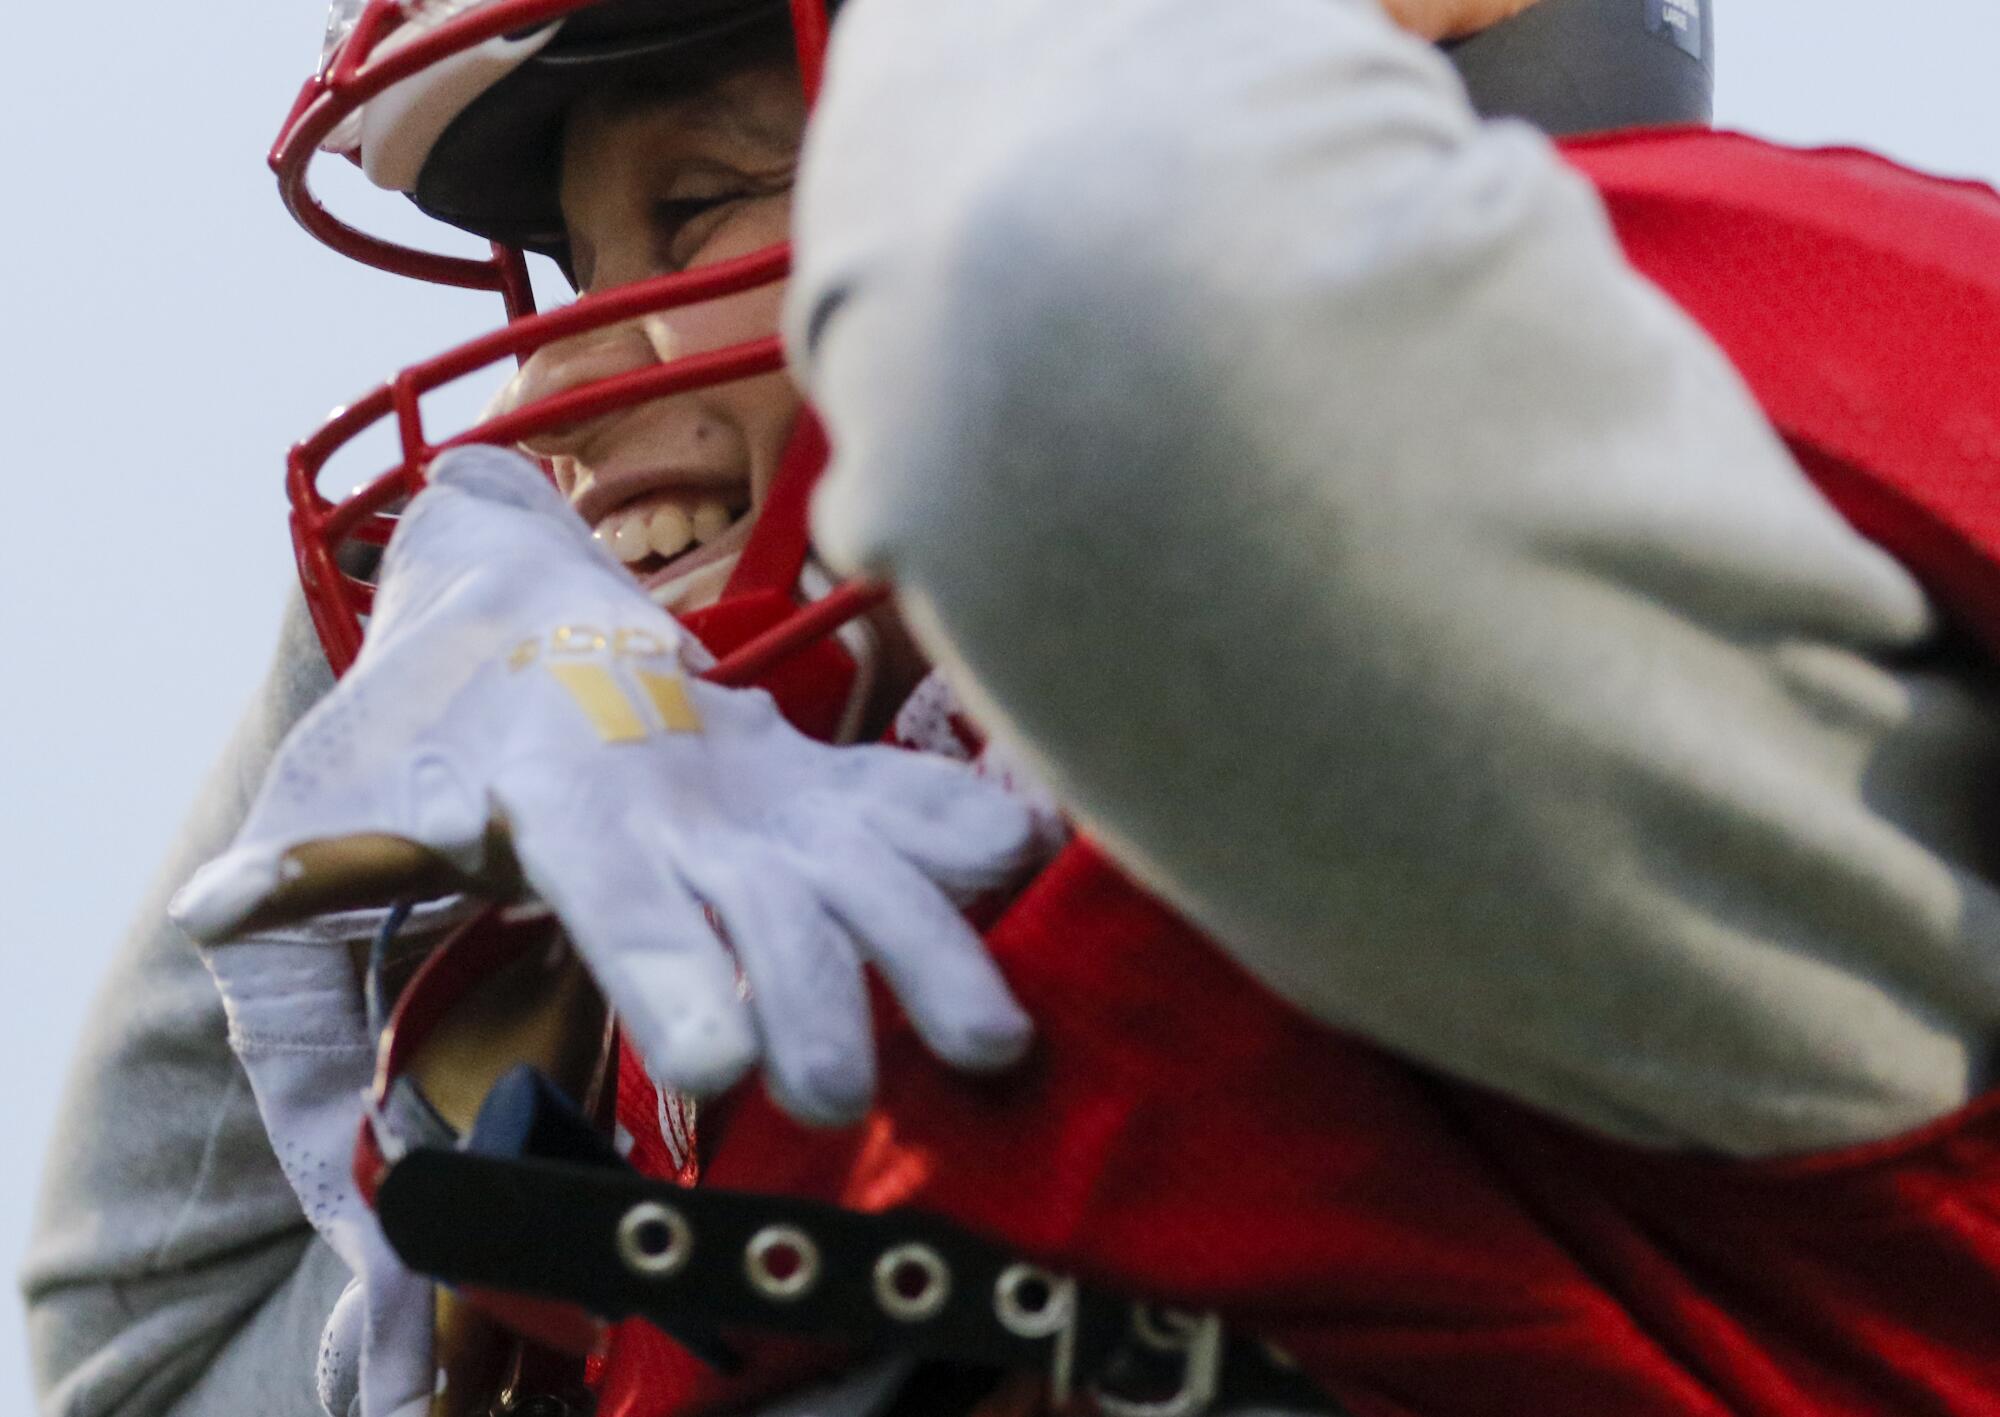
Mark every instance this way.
x=683 y=225
x=678 y=220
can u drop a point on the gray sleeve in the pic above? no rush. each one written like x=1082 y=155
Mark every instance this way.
x=170 y=1270
x=1391 y=577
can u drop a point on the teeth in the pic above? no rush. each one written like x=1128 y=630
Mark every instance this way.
x=668 y=531
x=711 y=519
x=628 y=539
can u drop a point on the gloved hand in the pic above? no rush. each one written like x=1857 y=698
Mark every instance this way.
x=520 y=704
x=297 y=1023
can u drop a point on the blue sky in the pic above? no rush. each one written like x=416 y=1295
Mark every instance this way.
x=172 y=333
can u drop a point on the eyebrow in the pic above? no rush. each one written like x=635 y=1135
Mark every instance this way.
x=745 y=121
x=711 y=106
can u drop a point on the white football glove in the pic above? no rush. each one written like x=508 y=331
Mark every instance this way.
x=517 y=688
x=297 y=1021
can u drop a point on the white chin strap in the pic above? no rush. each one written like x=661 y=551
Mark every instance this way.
x=399 y=126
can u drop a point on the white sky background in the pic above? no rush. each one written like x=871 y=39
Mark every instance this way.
x=169 y=332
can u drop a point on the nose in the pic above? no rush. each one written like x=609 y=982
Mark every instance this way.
x=570 y=364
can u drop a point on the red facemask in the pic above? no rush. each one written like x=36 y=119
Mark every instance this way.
x=769 y=627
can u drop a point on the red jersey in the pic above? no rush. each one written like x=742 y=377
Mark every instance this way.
x=1420 y=1245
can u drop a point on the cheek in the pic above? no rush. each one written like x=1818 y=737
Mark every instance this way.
x=762 y=410
x=765 y=408
x=714 y=324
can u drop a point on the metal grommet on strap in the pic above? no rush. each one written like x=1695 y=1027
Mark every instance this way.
x=1163 y=1330
x=911 y=1282
x=654 y=1240
x=1032 y=1303
x=781 y=1262
x=1197 y=1339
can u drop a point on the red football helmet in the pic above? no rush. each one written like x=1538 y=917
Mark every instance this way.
x=459 y=104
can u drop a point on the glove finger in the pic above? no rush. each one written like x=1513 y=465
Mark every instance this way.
x=936 y=963
x=398 y=1372
x=484 y=506
x=501 y=475
x=963 y=832
x=513 y=479
x=648 y=945
x=806 y=987
x=356 y=811
x=259 y=887
x=337 y=1377
x=410 y=828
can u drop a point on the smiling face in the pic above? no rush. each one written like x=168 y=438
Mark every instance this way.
x=655 y=181
x=650 y=187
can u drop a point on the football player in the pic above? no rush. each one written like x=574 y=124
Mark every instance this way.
x=1297 y=478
